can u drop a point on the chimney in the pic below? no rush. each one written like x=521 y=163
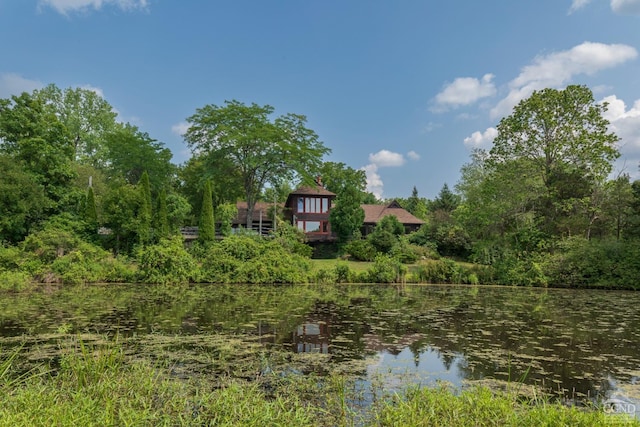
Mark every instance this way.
x=319 y=180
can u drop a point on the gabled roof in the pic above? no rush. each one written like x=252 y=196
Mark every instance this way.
x=374 y=213
x=306 y=190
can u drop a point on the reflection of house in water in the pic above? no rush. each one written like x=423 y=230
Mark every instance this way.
x=312 y=337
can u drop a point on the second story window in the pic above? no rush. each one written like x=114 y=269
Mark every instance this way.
x=313 y=205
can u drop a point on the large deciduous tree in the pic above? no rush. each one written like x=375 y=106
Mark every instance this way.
x=562 y=139
x=243 y=139
x=32 y=135
x=87 y=117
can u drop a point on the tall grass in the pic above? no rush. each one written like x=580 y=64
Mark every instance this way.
x=99 y=385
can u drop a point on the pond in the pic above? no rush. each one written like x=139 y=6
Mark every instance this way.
x=579 y=345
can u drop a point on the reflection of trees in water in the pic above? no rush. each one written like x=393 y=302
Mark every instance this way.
x=568 y=338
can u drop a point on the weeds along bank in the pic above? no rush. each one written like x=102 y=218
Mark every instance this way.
x=101 y=385
x=60 y=256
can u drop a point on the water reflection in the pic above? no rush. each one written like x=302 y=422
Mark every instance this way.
x=577 y=344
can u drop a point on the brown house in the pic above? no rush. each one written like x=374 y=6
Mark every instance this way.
x=374 y=213
x=307 y=208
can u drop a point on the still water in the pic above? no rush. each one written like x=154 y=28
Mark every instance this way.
x=575 y=344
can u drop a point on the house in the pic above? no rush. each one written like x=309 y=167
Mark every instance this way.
x=374 y=213
x=307 y=208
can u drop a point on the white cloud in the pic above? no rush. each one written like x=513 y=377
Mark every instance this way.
x=558 y=68
x=65 y=6
x=14 y=84
x=625 y=123
x=464 y=91
x=180 y=128
x=622 y=7
x=383 y=159
x=578 y=4
x=386 y=158
x=413 y=155
x=374 y=181
x=626 y=7
x=481 y=139
x=98 y=91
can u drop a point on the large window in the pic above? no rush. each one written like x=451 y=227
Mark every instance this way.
x=312 y=226
x=313 y=205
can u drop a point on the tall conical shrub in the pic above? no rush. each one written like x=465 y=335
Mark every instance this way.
x=144 y=216
x=207 y=230
x=163 y=216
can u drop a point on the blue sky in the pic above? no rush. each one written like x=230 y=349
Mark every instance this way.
x=404 y=89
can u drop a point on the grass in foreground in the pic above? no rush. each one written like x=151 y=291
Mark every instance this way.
x=102 y=387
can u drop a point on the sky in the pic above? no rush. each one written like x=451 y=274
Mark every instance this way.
x=402 y=89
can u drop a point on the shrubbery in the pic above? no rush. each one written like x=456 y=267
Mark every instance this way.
x=167 y=262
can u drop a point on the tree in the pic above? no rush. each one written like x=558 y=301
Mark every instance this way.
x=21 y=201
x=417 y=205
x=33 y=136
x=162 y=220
x=564 y=140
x=446 y=201
x=122 y=207
x=207 y=230
x=386 y=233
x=338 y=176
x=347 y=216
x=146 y=214
x=129 y=152
x=90 y=211
x=236 y=138
x=86 y=116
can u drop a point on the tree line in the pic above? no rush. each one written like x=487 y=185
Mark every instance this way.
x=540 y=207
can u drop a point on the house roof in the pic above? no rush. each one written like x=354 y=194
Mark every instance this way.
x=306 y=190
x=374 y=213
x=265 y=207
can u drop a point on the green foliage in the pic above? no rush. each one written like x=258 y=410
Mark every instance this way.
x=167 y=262
x=130 y=152
x=162 y=217
x=386 y=234
x=206 y=230
x=386 y=269
x=361 y=250
x=292 y=239
x=145 y=213
x=592 y=263
x=343 y=273
x=178 y=210
x=22 y=200
x=225 y=213
x=252 y=259
x=446 y=201
x=441 y=271
x=85 y=264
x=242 y=139
x=122 y=206
x=90 y=211
x=407 y=253
x=347 y=216
x=33 y=136
x=14 y=281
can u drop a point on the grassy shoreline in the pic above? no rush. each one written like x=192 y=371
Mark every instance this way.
x=101 y=385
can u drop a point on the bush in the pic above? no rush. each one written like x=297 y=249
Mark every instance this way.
x=167 y=262
x=15 y=281
x=343 y=273
x=218 y=266
x=386 y=269
x=361 y=250
x=441 y=271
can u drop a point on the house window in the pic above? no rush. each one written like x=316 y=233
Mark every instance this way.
x=313 y=205
x=312 y=226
